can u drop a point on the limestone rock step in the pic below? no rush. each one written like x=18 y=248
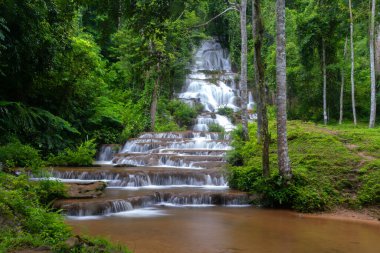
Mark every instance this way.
x=142 y=176
x=183 y=134
x=108 y=205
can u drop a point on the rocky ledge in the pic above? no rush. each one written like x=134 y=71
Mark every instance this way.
x=85 y=189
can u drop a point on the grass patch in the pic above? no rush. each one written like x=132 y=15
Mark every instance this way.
x=325 y=163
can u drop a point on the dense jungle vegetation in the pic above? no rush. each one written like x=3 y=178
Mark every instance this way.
x=75 y=74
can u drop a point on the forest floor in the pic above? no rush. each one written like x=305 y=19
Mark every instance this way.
x=358 y=181
x=365 y=144
x=367 y=215
x=337 y=170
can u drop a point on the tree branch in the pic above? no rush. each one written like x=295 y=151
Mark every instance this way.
x=220 y=14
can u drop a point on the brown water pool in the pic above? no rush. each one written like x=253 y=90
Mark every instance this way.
x=230 y=230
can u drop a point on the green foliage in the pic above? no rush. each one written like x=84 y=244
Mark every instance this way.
x=214 y=127
x=50 y=190
x=83 y=155
x=21 y=211
x=25 y=122
x=26 y=222
x=228 y=112
x=184 y=115
x=323 y=161
x=369 y=192
x=18 y=155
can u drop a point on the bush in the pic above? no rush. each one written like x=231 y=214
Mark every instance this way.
x=183 y=113
x=369 y=192
x=26 y=222
x=18 y=155
x=81 y=156
x=301 y=193
x=228 y=112
x=214 y=127
x=49 y=190
x=22 y=208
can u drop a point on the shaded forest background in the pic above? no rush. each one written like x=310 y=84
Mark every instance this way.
x=77 y=70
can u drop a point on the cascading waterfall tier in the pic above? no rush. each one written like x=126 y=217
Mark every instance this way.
x=212 y=84
x=172 y=168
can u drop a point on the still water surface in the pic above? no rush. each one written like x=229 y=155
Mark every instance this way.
x=230 y=230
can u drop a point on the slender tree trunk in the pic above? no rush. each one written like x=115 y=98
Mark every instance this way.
x=325 y=118
x=352 y=63
x=243 y=71
x=282 y=140
x=372 y=119
x=377 y=51
x=258 y=103
x=153 y=106
x=342 y=84
x=259 y=72
x=119 y=14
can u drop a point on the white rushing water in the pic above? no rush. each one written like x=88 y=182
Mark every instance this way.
x=174 y=169
x=212 y=84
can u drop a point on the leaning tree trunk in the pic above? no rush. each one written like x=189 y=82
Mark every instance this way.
x=153 y=106
x=259 y=72
x=282 y=140
x=243 y=71
x=352 y=64
x=258 y=103
x=342 y=84
x=372 y=118
x=324 y=82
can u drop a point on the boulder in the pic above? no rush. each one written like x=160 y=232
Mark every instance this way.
x=85 y=190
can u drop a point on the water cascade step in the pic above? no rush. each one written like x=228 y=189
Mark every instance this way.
x=192 y=197
x=132 y=177
x=170 y=169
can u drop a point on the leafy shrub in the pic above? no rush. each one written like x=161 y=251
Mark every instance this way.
x=311 y=198
x=82 y=156
x=21 y=204
x=301 y=193
x=214 y=127
x=26 y=222
x=183 y=113
x=369 y=192
x=228 y=112
x=167 y=125
x=50 y=190
x=18 y=155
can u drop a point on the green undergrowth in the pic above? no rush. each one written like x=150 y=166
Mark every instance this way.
x=27 y=221
x=83 y=155
x=332 y=166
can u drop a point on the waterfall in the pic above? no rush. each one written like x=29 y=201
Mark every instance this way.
x=211 y=83
x=173 y=168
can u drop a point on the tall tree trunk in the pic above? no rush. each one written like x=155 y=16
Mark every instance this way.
x=119 y=14
x=243 y=71
x=153 y=106
x=372 y=119
x=342 y=84
x=259 y=72
x=325 y=119
x=282 y=140
x=352 y=63
x=258 y=103
x=377 y=51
